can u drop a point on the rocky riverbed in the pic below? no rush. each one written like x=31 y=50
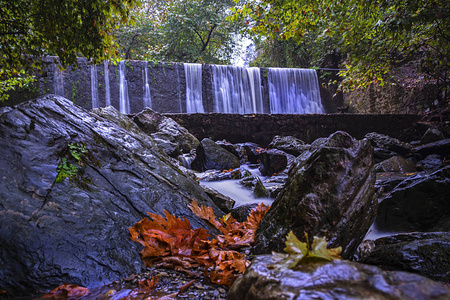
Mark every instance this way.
x=74 y=181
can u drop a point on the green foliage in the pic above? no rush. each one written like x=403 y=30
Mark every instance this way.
x=299 y=253
x=33 y=28
x=65 y=170
x=181 y=30
x=76 y=152
x=375 y=35
x=19 y=80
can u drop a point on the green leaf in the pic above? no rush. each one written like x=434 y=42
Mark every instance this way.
x=299 y=253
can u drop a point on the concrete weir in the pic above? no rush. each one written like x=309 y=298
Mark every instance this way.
x=261 y=128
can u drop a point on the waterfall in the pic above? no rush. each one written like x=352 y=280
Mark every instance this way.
x=107 y=91
x=124 y=103
x=194 y=101
x=147 y=95
x=58 y=81
x=179 y=89
x=94 y=87
x=294 y=91
x=237 y=90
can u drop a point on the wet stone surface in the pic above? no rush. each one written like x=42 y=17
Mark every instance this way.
x=171 y=284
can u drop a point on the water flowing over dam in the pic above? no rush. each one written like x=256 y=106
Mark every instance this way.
x=131 y=86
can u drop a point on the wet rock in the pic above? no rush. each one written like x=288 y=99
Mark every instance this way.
x=274 y=190
x=212 y=156
x=386 y=182
x=241 y=213
x=431 y=162
x=233 y=149
x=76 y=230
x=339 y=279
x=259 y=190
x=432 y=135
x=168 y=134
x=395 y=164
x=329 y=192
x=218 y=175
x=419 y=203
x=441 y=148
x=248 y=181
x=272 y=161
x=289 y=144
x=223 y=202
x=381 y=154
x=255 y=184
x=427 y=254
x=388 y=143
x=250 y=152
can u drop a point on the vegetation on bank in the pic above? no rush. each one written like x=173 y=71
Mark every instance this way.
x=68 y=29
x=373 y=37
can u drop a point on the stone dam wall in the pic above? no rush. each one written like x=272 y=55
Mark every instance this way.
x=166 y=82
x=261 y=128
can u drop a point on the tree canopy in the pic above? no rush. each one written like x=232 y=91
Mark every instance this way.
x=181 y=30
x=33 y=28
x=376 y=35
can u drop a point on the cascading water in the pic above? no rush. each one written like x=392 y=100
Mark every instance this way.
x=224 y=89
x=194 y=101
x=237 y=90
x=294 y=91
x=147 y=95
x=124 y=103
x=94 y=87
x=107 y=92
x=58 y=81
x=178 y=88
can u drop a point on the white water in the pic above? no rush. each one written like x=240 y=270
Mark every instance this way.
x=235 y=191
x=147 y=95
x=107 y=92
x=294 y=91
x=58 y=81
x=194 y=101
x=124 y=103
x=94 y=87
x=179 y=89
x=237 y=90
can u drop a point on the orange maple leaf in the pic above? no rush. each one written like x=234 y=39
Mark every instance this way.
x=171 y=243
x=64 y=291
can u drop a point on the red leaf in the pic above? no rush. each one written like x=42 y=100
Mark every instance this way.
x=186 y=286
x=64 y=291
x=148 y=285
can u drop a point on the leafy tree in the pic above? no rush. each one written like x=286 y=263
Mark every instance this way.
x=32 y=28
x=376 y=35
x=181 y=30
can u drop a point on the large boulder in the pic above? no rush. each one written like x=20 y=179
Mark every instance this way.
x=168 y=134
x=209 y=155
x=427 y=254
x=388 y=143
x=272 y=161
x=338 y=279
x=225 y=203
x=418 y=203
x=75 y=229
x=432 y=135
x=289 y=144
x=441 y=148
x=395 y=164
x=329 y=192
